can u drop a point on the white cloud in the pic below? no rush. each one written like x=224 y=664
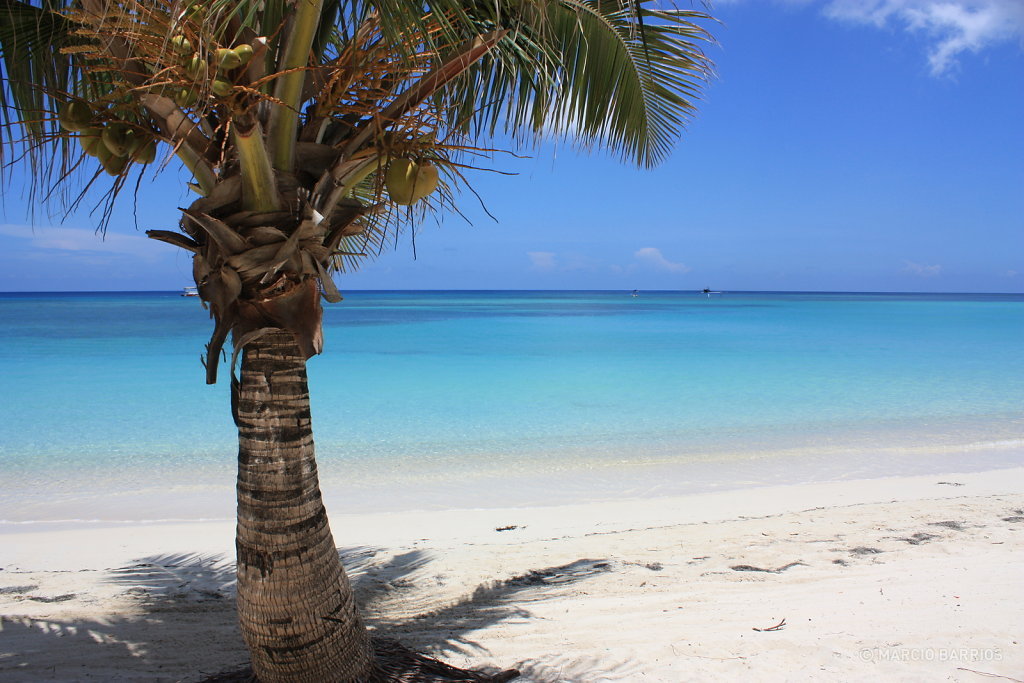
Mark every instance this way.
x=577 y=261
x=921 y=270
x=542 y=260
x=953 y=26
x=80 y=240
x=645 y=259
x=653 y=257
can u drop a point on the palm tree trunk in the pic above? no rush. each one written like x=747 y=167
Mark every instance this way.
x=295 y=603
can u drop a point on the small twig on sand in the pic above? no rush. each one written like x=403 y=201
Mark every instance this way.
x=777 y=570
x=778 y=627
x=985 y=673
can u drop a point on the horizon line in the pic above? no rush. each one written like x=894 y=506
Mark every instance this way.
x=463 y=289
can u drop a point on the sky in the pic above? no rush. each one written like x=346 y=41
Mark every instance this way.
x=844 y=145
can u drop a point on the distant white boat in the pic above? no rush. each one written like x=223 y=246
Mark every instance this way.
x=636 y=292
x=708 y=292
x=190 y=291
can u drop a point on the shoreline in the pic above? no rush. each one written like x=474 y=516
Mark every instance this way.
x=900 y=578
x=424 y=487
x=404 y=525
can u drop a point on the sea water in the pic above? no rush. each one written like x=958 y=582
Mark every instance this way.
x=463 y=399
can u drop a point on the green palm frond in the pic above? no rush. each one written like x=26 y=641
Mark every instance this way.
x=32 y=69
x=587 y=71
x=651 y=79
x=32 y=65
x=336 y=89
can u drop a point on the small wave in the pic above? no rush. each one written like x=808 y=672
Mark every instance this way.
x=167 y=520
x=988 y=445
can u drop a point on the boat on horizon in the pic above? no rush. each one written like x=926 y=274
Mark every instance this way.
x=190 y=291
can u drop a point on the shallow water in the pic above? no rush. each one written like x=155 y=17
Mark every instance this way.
x=482 y=398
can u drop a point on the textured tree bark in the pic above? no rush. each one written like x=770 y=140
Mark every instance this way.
x=295 y=604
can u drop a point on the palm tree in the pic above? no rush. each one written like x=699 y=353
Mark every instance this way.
x=314 y=131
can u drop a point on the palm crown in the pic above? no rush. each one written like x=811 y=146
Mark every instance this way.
x=308 y=124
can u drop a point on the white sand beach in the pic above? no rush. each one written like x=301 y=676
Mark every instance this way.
x=914 y=578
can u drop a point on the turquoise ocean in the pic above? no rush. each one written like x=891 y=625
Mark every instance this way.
x=480 y=399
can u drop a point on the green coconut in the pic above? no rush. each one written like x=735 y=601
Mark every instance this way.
x=75 y=116
x=101 y=152
x=186 y=97
x=227 y=59
x=91 y=139
x=427 y=180
x=408 y=181
x=221 y=88
x=145 y=153
x=138 y=141
x=181 y=44
x=195 y=66
x=244 y=52
x=119 y=138
x=114 y=164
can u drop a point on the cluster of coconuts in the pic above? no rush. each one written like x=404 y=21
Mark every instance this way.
x=196 y=68
x=115 y=144
x=409 y=181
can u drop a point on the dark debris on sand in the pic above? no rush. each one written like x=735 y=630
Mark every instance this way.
x=919 y=538
x=776 y=570
x=395 y=664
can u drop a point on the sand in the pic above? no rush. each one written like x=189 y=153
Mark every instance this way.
x=914 y=578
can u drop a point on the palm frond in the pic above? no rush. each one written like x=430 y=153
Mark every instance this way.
x=33 y=71
x=589 y=72
x=343 y=89
x=31 y=40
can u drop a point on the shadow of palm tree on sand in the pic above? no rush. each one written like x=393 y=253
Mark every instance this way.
x=181 y=625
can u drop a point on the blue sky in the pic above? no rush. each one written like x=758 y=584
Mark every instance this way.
x=853 y=145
